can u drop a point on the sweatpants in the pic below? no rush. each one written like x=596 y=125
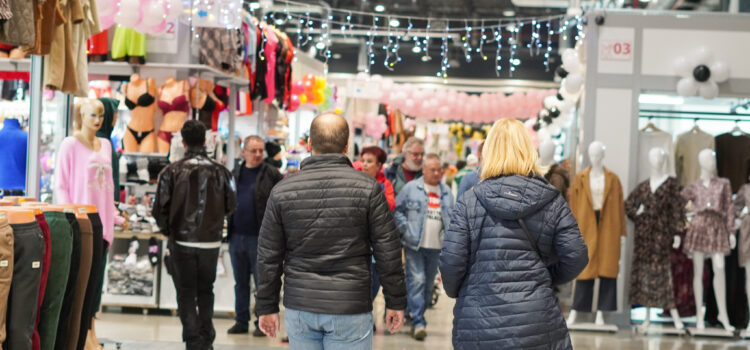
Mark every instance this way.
x=44 y=226
x=93 y=290
x=6 y=272
x=87 y=247
x=70 y=290
x=57 y=282
x=28 y=252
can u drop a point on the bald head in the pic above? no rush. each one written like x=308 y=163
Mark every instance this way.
x=329 y=133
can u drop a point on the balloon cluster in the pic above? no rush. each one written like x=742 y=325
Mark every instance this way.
x=145 y=16
x=375 y=125
x=445 y=104
x=312 y=90
x=701 y=74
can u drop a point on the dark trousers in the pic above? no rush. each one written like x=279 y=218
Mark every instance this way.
x=583 y=295
x=94 y=287
x=62 y=247
x=84 y=272
x=243 y=250
x=70 y=288
x=28 y=254
x=194 y=276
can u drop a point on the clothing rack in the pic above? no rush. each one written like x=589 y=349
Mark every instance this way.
x=695 y=119
x=729 y=115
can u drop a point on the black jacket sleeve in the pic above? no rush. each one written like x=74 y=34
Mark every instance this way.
x=454 y=258
x=230 y=193
x=386 y=245
x=271 y=252
x=568 y=244
x=160 y=210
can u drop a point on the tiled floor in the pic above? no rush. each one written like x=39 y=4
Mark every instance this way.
x=136 y=331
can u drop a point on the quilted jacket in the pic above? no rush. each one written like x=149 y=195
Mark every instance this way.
x=321 y=228
x=503 y=289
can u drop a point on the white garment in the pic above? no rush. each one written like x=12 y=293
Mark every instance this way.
x=433 y=230
x=201 y=245
x=597 y=191
x=651 y=139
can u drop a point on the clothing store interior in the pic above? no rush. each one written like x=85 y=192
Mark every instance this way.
x=640 y=111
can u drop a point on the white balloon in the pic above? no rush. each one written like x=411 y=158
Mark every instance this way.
x=709 y=90
x=543 y=134
x=573 y=83
x=153 y=14
x=687 y=87
x=128 y=15
x=174 y=9
x=683 y=67
x=566 y=106
x=704 y=55
x=719 y=71
x=571 y=61
x=107 y=7
x=549 y=102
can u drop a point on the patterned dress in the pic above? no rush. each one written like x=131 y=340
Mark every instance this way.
x=714 y=216
x=662 y=218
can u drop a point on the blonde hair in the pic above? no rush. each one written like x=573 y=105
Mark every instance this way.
x=79 y=102
x=508 y=150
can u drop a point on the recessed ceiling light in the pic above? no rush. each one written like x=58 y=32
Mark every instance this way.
x=516 y=61
x=254 y=5
x=279 y=21
x=395 y=23
x=379 y=8
x=426 y=58
x=509 y=13
x=416 y=49
x=320 y=45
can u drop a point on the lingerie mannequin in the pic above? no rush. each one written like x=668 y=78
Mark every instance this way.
x=204 y=101
x=175 y=105
x=140 y=99
x=704 y=223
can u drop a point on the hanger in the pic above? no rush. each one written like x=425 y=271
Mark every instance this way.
x=696 y=128
x=17 y=215
x=736 y=131
x=650 y=126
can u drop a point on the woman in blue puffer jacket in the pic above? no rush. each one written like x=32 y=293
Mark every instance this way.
x=504 y=288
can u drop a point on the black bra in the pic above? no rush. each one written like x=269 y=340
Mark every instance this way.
x=144 y=100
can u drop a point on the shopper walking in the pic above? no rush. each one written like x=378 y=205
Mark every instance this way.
x=510 y=240
x=422 y=212
x=255 y=179
x=321 y=228
x=407 y=166
x=471 y=179
x=193 y=197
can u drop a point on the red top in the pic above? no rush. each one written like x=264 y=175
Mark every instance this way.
x=408 y=174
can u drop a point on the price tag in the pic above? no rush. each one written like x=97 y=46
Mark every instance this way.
x=3 y=217
x=4 y=263
x=81 y=210
x=616 y=50
x=36 y=264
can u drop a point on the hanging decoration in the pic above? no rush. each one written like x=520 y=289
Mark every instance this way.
x=701 y=74
x=145 y=16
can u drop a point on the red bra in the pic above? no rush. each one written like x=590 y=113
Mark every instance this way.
x=179 y=104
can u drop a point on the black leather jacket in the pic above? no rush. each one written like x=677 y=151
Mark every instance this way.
x=193 y=197
x=321 y=228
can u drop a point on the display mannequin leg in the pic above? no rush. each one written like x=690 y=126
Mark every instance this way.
x=720 y=290
x=647 y=321
x=676 y=319
x=574 y=314
x=747 y=288
x=698 y=259
x=599 y=318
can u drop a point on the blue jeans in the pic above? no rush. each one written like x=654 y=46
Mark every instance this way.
x=311 y=331
x=421 y=269
x=243 y=250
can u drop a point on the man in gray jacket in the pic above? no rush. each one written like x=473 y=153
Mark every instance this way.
x=321 y=228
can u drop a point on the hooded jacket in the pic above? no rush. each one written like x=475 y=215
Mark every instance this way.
x=504 y=291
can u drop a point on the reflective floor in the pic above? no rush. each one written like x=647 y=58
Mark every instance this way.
x=163 y=332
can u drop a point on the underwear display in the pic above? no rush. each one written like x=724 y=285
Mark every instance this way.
x=165 y=135
x=139 y=135
x=178 y=104
x=144 y=100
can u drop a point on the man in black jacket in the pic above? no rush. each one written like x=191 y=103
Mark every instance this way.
x=255 y=179
x=321 y=229
x=193 y=197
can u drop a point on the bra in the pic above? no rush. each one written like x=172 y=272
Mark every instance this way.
x=144 y=100
x=179 y=103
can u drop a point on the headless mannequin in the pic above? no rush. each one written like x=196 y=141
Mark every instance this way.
x=596 y=176
x=657 y=158
x=707 y=161
x=173 y=120
x=547 y=153
x=141 y=117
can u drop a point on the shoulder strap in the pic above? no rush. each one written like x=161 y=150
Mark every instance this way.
x=530 y=237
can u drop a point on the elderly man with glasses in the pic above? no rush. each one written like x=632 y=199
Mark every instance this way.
x=408 y=166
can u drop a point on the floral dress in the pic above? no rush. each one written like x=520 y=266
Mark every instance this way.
x=714 y=216
x=663 y=217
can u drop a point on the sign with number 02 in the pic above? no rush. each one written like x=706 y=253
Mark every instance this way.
x=616 y=50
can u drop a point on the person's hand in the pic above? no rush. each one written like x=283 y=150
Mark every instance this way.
x=269 y=324
x=394 y=320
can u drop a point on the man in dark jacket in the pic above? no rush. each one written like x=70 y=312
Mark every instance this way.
x=194 y=196
x=321 y=228
x=255 y=179
x=407 y=166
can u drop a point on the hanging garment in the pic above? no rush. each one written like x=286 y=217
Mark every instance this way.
x=733 y=158
x=48 y=17
x=6 y=272
x=60 y=64
x=70 y=340
x=682 y=280
x=46 y=260
x=686 y=152
x=559 y=178
x=81 y=32
x=13 y=150
x=221 y=48
x=603 y=240
x=62 y=248
x=70 y=289
x=259 y=89
x=651 y=139
x=663 y=217
x=5 y=13
x=28 y=253
x=127 y=43
x=19 y=30
x=743 y=243
x=269 y=57
x=95 y=275
x=714 y=216
x=105 y=131
x=97 y=46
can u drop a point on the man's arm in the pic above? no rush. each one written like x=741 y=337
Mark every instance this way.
x=230 y=194
x=386 y=245
x=271 y=251
x=160 y=210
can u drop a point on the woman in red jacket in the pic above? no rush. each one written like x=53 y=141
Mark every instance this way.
x=372 y=159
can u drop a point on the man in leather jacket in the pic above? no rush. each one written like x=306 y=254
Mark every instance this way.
x=321 y=228
x=194 y=196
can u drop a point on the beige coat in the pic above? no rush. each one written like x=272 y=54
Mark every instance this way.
x=603 y=240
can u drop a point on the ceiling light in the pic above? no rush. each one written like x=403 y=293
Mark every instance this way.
x=379 y=8
x=320 y=45
x=395 y=22
x=279 y=21
x=426 y=58
x=509 y=13
x=337 y=56
x=516 y=61
x=416 y=49
x=254 y=5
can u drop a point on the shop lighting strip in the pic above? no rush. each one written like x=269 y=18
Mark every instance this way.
x=699 y=113
x=697 y=118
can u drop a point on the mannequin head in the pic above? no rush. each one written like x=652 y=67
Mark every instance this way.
x=547 y=152
x=596 y=153
x=656 y=157
x=88 y=115
x=707 y=160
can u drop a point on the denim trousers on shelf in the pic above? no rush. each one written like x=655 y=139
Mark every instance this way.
x=243 y=250
x=311 y=331
x=421 y=270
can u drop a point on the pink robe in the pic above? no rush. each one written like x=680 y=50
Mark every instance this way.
x=272 y=42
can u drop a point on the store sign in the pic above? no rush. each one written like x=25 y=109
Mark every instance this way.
x=165 y=42
x=616 y=50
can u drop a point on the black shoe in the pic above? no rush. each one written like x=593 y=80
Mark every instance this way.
x=238 y=329
x=258 y=333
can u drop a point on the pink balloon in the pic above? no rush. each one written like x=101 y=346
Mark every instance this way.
x=298 y=87
x=106 y=22
x=294 y=103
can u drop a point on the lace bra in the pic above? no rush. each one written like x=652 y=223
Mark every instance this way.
x=179 y=103
x=144 y=100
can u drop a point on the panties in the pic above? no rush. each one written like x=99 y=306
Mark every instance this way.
x=139 y=135
x=165 y=135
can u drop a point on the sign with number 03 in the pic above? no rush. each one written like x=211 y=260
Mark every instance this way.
x=616 y=50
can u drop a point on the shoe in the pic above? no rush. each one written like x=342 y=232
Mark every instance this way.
x=238 y=329
x=419 y=333
x=258 y=333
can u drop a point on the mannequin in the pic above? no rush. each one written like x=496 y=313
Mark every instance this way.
x=174 y=103
x=650 y=238
x=140 y=99
x=547 y=153
x=597 y=203
x=708 y=179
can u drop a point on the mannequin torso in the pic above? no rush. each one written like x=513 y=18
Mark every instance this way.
x=140 y=136
x=175 y=104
